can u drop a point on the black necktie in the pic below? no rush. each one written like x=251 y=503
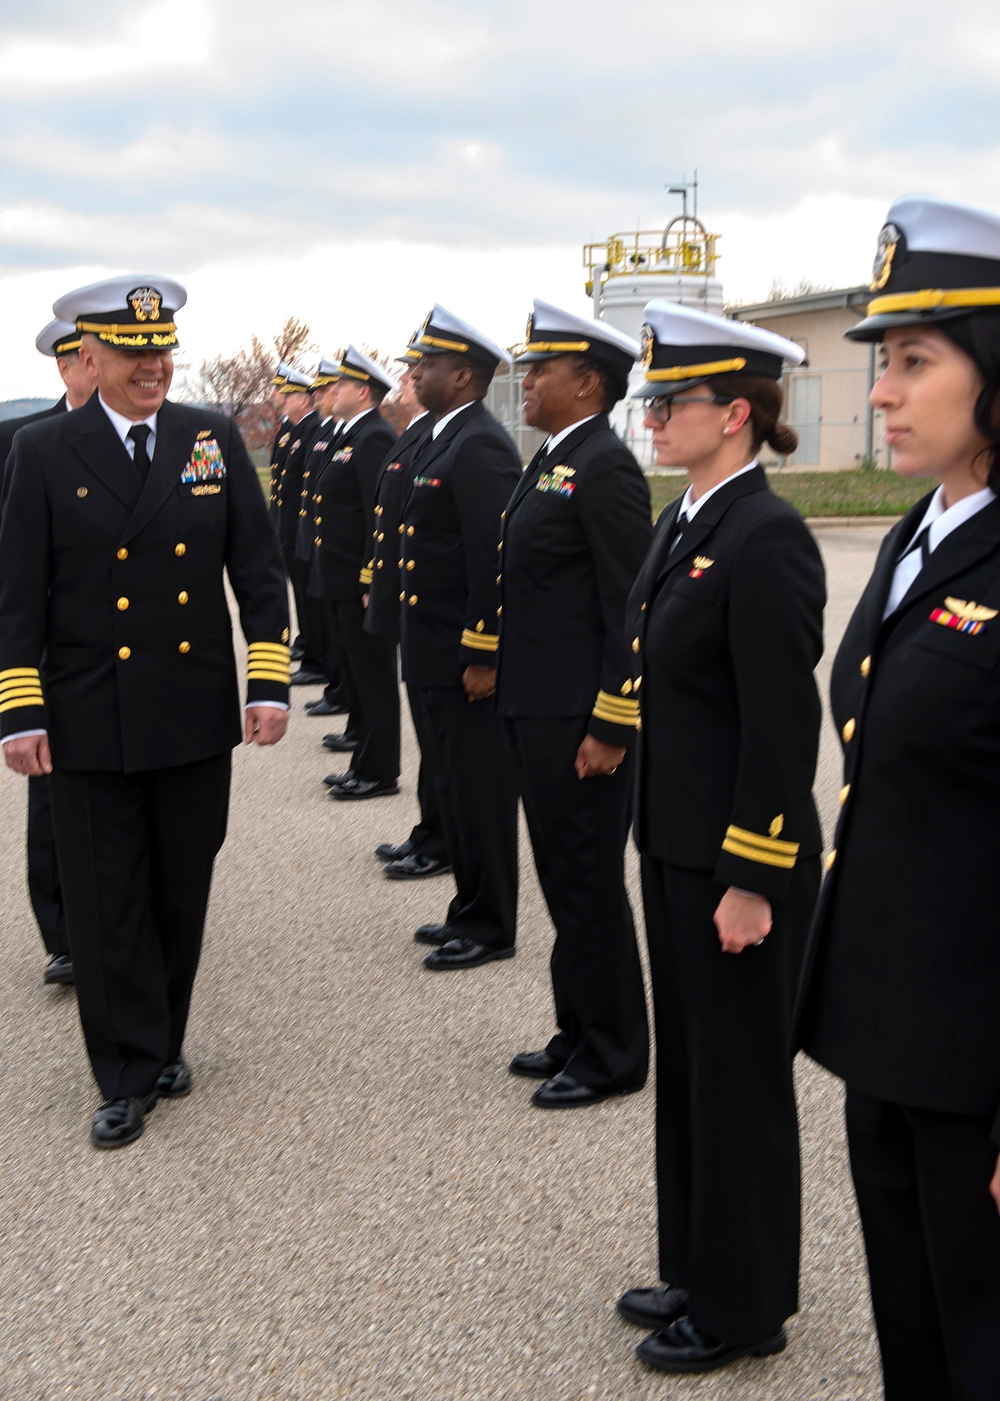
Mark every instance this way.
x=679 y=528
x=919 y=542
x=139 y=433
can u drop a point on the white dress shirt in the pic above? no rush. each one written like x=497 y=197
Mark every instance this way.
x=942 y=521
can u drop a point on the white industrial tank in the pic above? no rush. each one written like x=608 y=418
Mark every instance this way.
x=628 y=270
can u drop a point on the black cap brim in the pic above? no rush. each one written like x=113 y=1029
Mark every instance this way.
x=650 y=389
x=873 y=328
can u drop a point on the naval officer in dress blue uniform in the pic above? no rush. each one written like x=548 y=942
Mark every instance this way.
x=463 y=476
x=726 y=625
x=61 y=340
x=575 y=532
x=424 y=852
x=117 y=674
x=902 y=992
x=345 y=504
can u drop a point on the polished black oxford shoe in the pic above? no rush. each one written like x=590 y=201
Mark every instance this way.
x=175 y=1080
x=414 y=866
x=306 y=678
x=438 y=934
x=653 y=1308
x=460 y=952
x=120 y=1121
x=536 y=1065
x=563 y=1092
x=59 y=969
x=324 y=707
x=683 y=1347
x=295 y=653
x=385 y=851
x=357 y=786
x=341 y=744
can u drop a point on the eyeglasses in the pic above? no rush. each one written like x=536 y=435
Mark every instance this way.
x=662 y=408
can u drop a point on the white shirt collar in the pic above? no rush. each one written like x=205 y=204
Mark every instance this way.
x=449 y=416
x=356 y=419
x=554 y=439
x=121 y=425
x=943 y=520
x=417 y=417
x=691 y=508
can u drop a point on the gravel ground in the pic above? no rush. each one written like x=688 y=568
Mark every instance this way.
x=358 y=1201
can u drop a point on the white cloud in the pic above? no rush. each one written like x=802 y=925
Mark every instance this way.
x=155 y=36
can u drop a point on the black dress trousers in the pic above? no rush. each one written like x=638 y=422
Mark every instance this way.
x=932 y=1237
x=478 y=798
x=44 y=887
x=370 y=665
x=427 y=833
x=727 y=1144
x=136 y=854
x=578 y=829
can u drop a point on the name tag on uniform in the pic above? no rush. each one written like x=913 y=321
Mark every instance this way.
x=206 y=463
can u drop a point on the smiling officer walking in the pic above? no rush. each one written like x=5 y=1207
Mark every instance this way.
x=117 y=674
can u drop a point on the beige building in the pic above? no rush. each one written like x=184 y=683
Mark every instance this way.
x=827 y=398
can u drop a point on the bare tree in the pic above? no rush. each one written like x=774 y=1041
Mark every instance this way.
x=240 y=384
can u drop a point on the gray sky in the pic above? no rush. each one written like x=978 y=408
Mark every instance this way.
x=352 y=163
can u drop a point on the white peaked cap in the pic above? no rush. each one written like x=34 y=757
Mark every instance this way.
x=443 y=331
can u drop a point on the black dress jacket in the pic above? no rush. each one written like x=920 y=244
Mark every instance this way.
x=380 y=576
x=901 y=994
x=343 y=505
x=279 y=451
x=449 y=534
x=118 y=581
x=575 y=533
x=288 y=485
x=726 y=631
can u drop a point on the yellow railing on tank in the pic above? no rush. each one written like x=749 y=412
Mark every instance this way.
x=684 y=247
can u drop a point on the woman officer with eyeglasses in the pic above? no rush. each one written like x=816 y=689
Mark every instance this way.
x=902 y=995
x=726 y=629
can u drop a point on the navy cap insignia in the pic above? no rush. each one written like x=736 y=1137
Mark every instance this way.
x=145 y=303
x=648 y=341
x=888 y=242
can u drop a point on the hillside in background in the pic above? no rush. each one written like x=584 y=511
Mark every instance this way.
x=19 y=408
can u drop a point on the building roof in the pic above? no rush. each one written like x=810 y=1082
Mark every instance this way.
x=834 y=299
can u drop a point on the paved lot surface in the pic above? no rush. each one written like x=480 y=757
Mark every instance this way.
x=358 y=1201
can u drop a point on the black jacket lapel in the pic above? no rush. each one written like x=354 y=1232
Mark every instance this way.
x=174 y=441
x=95 y=441
x=956 y=554
x=707 y=518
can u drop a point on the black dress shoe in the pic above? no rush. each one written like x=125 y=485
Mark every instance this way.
x=439 y=934
x=536 y=1065
x=306 y=678
x=340 y=744
x=385 y=851
x=325 y=707
x=175 y=1080
x=563 y=1092
x=119 y=1121
x=414 y=866
x=59 y=969
x=334 y=780
x=460 y=952
x=683 y=1347
x=653 y=1308
x=357 y=786
x=295 y=653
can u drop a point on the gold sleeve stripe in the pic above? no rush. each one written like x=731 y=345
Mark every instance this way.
x=740 y=834
x=752 y=853
x=13 y=671
x=260 y=672
x=17 y=703
x=269 y=651
x=480 y=641
x=366 y=576
x=607 y=708
x=20 y=688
